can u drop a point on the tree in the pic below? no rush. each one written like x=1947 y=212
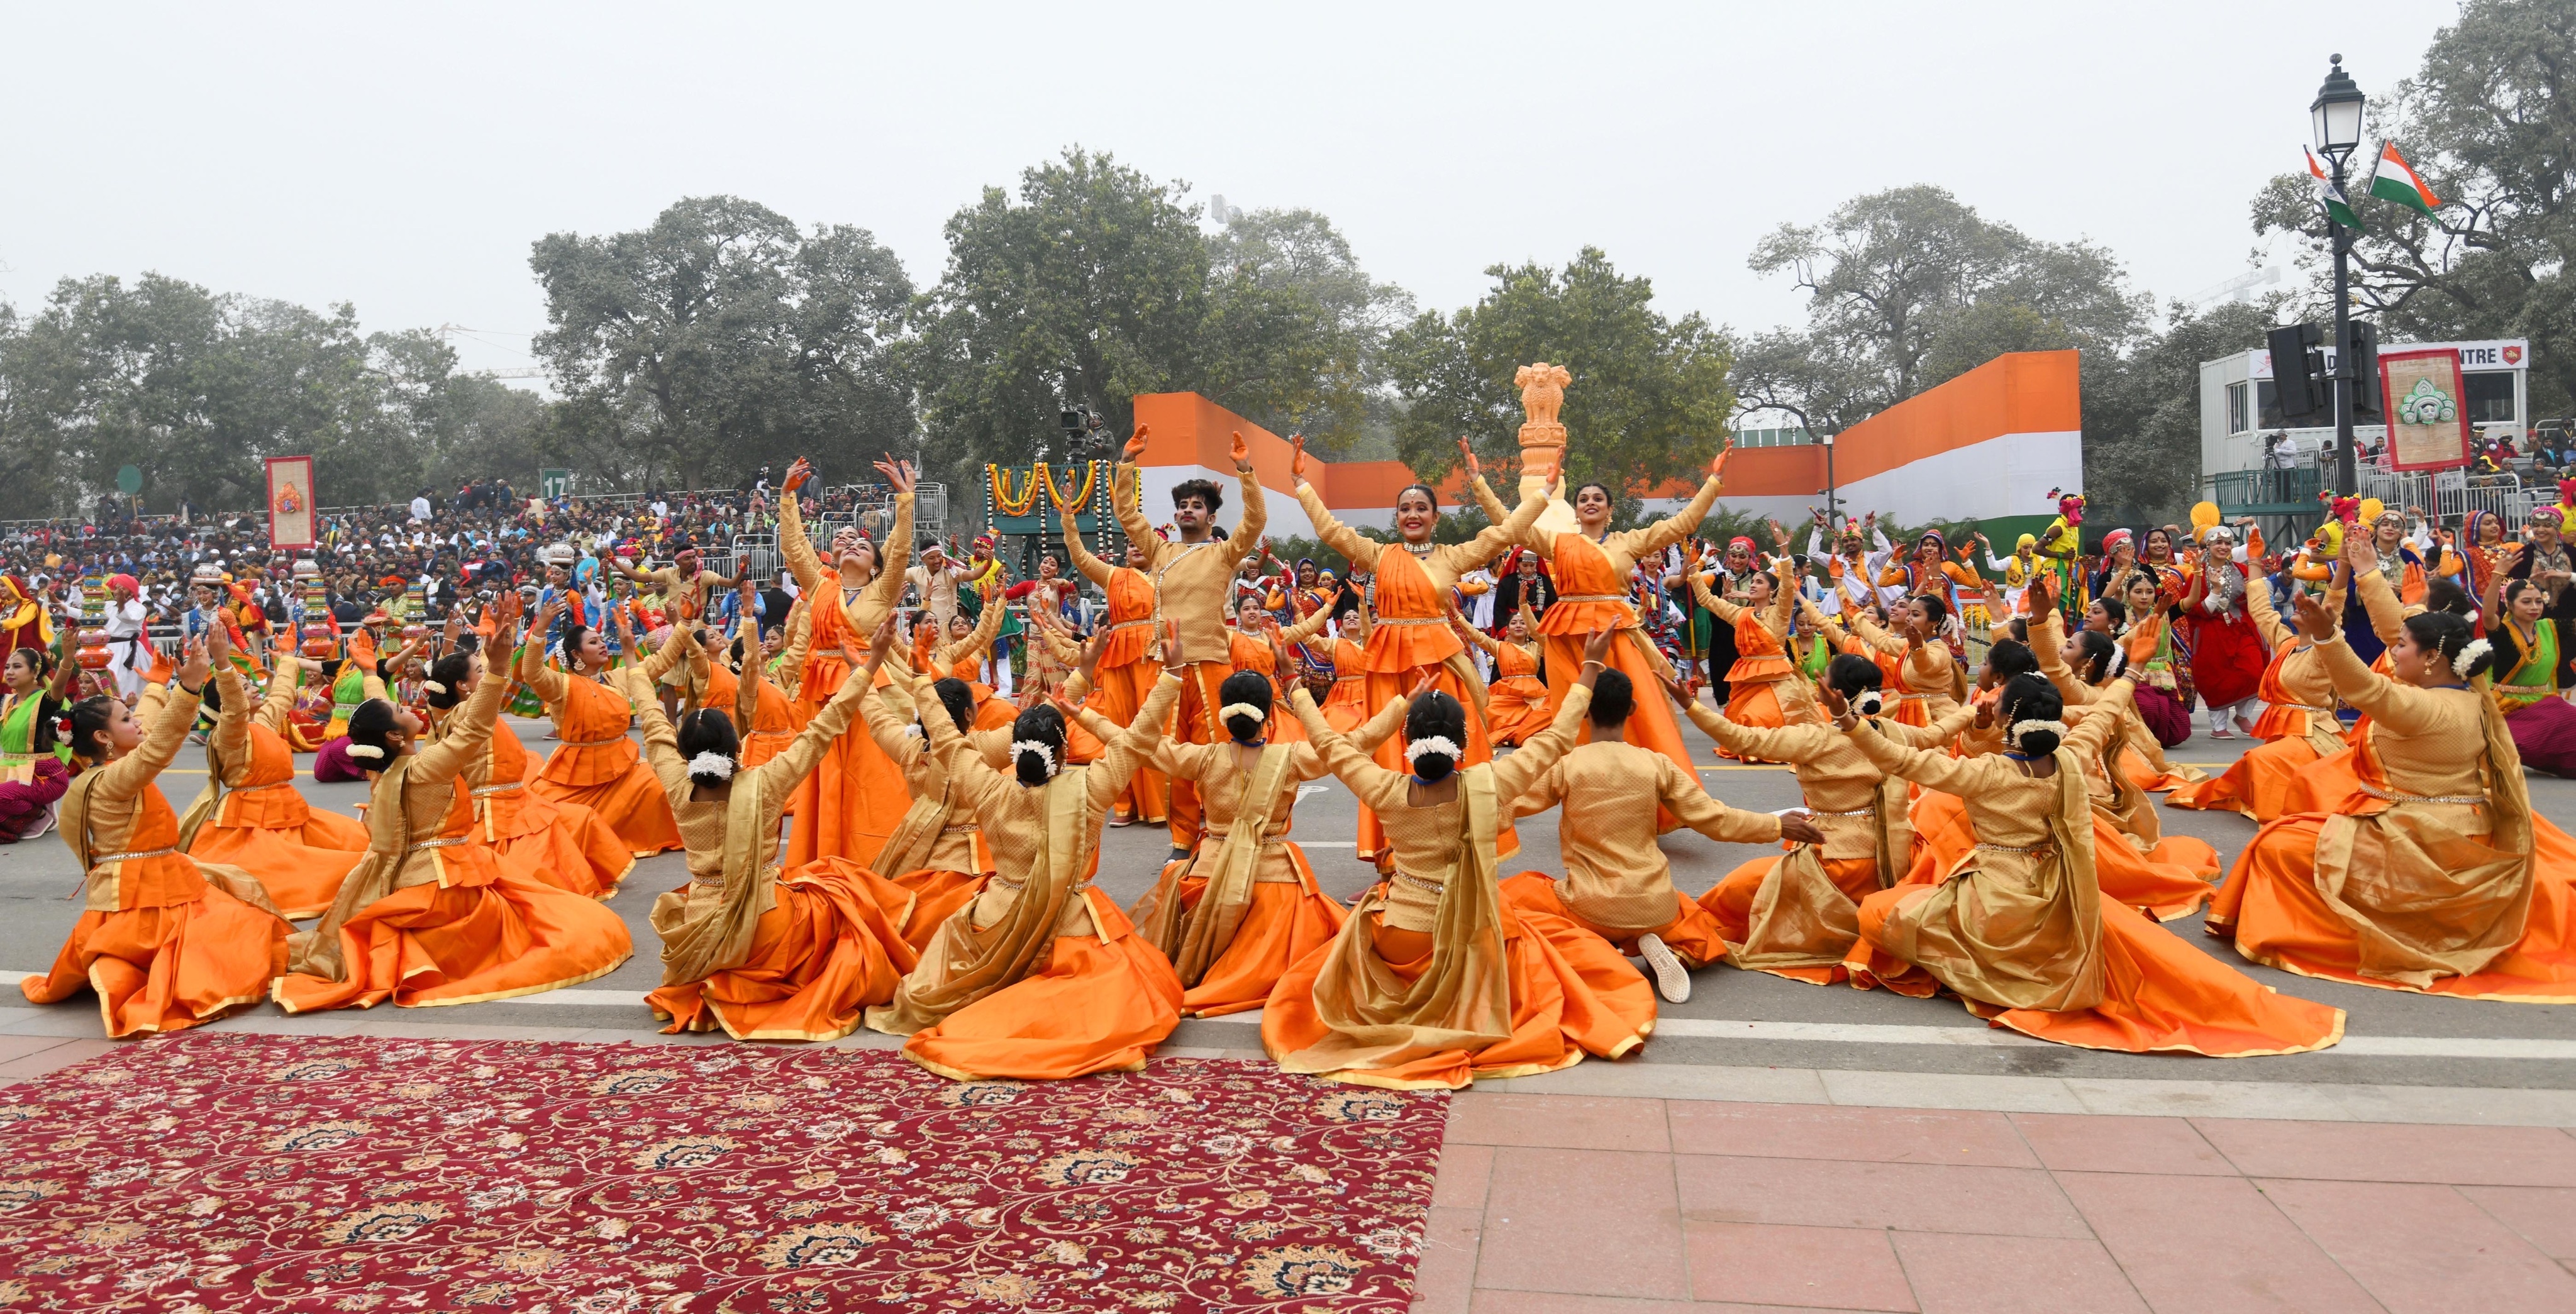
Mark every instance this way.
x=2142 y=414
x=2490 y=124
x=1322 y=306
x=720 y=339
x=1909 y=288
x=1649 y=401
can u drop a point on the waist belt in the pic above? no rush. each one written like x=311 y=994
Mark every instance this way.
x=104 y=859
x=489 y=790
x=1913 y=698
x=1410 y=620
x=1864 y=812
x=2383 y=796
x=1129 y=625
x=2017 y=848
x=773 y=734
x=594 y=743
x=2534 y=690
x=1434 y=888
x=437 y=844
x=968 y=828
x=253 y=789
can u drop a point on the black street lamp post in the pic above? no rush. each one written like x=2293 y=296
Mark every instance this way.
x=2335 y=117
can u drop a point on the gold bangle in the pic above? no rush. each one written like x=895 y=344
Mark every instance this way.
x=1589 y=665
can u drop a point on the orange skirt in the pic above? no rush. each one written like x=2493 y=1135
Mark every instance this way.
x=301 y=868
x=1572 y=995
x=436 y=944
x=1122 y=691
x=2170 y=883
x=2272 y=907
x=1287 y=921
x=1100 y=1003
x=1346 y=708
x=1519 y=707
x=1694 y=935
x=632 y=805
x=2256 y=784
x=2143 y=774
x=2159 y=995
x=849 y=804
x=935 y=893
x=2322 y=786
x=1730 y=904
x=1753 y=703
x=1386 y=687
x=818 y=959
x=578 y=853
x=166 y=969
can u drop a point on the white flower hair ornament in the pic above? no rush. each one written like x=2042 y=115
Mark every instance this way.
x=2119 y=660
x=1233 y=710
x=1441 y=744
x=2020 y=728
x=711 y=764
x=367 y=751
x=1045 y=754
x=2469 y=656
x=433 y=686
x=1868 y=702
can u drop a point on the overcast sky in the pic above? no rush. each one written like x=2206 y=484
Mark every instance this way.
x=405 y=160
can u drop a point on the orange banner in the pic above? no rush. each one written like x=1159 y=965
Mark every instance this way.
x=290 y=502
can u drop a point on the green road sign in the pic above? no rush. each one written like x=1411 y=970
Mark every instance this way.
x=554 y=483
x=129 y=481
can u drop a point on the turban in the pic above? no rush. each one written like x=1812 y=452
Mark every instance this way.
x=2025 y=543
x=2114 y=539
x=1739 y=541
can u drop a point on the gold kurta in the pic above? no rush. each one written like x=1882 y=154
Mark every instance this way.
x=2018 y=922
x=2303 y=673
x=938 y=832
x=2130 y=809
x=1615 y=876
x=1193 y=582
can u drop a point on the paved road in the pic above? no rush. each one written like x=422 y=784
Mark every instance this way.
x=1736 y=1022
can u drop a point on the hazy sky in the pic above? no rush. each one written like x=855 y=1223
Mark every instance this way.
x=405 y=160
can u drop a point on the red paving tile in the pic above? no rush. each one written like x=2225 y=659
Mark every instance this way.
x=1809 y=1131
x=2076 y=1142
x=1446 y=1275
x=2394 y=1152
x=1954 y=1274
x=2423 y=1249
x=1464 y=1169
x=1570 y=1122
x=1916 y=1197
x=2545 y=1216
x=61 y=1054
x=13 y=1048
x=1836 y=1267
x=1536 y=1302
x=1586 y=1222
x=2210 y=1245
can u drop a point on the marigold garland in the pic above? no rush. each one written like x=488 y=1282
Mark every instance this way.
x=1003 y=501
x=1090 y=480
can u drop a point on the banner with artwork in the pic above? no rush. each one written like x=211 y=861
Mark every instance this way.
x=290 y=503
x=2428 y=427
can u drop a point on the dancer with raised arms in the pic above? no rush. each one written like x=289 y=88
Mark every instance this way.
x=249 y=814
x=1129 y=666
x=596 y=765
x=852 y=800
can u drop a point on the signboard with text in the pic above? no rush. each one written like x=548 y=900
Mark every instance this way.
x=290 y=503
x=2428 y=423
x=552 y=484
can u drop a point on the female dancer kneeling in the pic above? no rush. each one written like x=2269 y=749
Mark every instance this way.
x=166 y=941
x=596 y=765
x=1436 y=979
x=766 y=954
x=1041 y=976
x=249 y=814
x=1245 y=908
x=430 y=916
x=2018 y=927
x=937 y=852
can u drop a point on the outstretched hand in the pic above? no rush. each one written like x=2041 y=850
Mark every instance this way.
x=1297 y=458
x=797 y=474
x=1832 y=700
x=1135 y=449
x=1596 y=647
x=1467 y=453
x=1241 y=452
x=2314 y=620
x=192 y=669
x=1717 y=468
x=1680 y=693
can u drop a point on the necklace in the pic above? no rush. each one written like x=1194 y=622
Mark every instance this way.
x=1421 y=549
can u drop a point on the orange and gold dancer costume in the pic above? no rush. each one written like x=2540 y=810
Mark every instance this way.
x=1347 y=706
x=249 y=815
x=1515 y=699
x=1618 y=884
x=1041 y=976
x=2019 y=929
x=1594 y=570
x=166 y=941
x=1245 y=908
x=937 y=853
x=1798 y=915
x=763 y=953
x=1437 y=979
x=2298 y=725
x=596 y=765
x=1409 y=638
x=1193 y=582
x=430 y=916
x=2430 y=874
x=2114 y=781
x=1762 y=667
x=1129 y=666
x=1928 y=680
x=715 y=683
x=854 y=798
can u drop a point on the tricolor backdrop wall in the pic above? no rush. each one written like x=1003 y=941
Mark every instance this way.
x=1987 y=445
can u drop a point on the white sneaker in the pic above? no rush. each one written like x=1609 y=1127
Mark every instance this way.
x=1672 y=980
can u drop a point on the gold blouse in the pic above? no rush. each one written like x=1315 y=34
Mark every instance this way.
x=1615 y=876
x=1193 y=582
x=1839 y=783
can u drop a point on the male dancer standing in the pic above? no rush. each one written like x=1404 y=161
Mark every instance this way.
x=1193 y=579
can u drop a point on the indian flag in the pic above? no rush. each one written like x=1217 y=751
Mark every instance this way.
x=2331 y=196
x=2393 y=180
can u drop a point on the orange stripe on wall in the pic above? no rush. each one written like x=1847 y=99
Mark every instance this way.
x=2023 y=392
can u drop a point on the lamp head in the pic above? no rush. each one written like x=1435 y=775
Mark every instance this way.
x=2335 y=116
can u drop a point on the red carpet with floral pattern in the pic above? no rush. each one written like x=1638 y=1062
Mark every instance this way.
x=230 y=1171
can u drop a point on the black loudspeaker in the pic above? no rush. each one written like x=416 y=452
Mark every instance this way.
x=2363 y=352
x=2296 y=365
